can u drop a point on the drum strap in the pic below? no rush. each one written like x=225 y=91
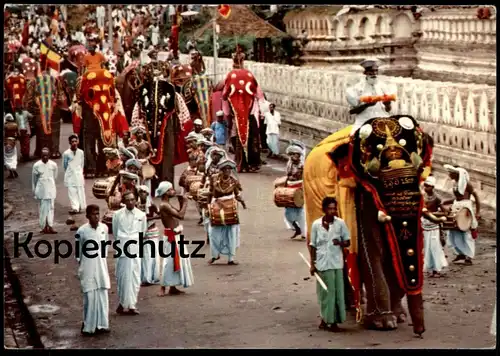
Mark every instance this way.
x=170 y=234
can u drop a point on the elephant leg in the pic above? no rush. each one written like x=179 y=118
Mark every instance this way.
x=378 y=314
x=396 y=292
x=25 y=144
x=101 y=158
x=166 y=169
x=38 y=138
x=56 y=134
x=89 y=133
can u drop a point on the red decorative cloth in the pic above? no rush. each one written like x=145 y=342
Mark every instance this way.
x=170 y=234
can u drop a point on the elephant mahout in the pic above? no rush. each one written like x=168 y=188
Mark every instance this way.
x=98 y=118
x=242 y=92
x=375 y=176
x=165 y=117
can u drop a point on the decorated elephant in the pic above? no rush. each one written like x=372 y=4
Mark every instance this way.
x=181 y=76
x=15 y=87
x=69 y=79
x=127 y=84
x=76 y=56
x=242 y=92
x=44 y=100
x=375 y=176
x=98 y=118
x=165 y=116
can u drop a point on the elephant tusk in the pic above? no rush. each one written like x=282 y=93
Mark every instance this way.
x=233 y=89
x=382 y=217
x=247 y=88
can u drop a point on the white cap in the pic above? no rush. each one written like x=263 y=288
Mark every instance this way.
x=219 y=113
x=198 y=122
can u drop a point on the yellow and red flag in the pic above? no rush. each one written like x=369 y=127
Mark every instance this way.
x=49 y=58
x=224 y=10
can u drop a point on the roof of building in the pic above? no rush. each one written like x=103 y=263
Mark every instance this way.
x=242 y=22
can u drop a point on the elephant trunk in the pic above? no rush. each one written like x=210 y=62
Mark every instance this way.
x=416 y=309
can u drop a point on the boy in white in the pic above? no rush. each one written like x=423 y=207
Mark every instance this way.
x=128 y=223
x=73 y=176
x=93 y=273
x=44 y=188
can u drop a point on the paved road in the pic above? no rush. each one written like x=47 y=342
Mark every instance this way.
x=266 y=301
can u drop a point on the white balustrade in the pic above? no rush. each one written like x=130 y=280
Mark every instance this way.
x=321 y=92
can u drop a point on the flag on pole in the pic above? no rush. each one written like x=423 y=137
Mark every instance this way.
x=224 y=11
x=49 y=58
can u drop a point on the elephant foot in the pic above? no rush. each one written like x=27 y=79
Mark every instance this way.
x=381 y=322
x=400 y=313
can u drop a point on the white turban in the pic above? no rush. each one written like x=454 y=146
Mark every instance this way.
x=198 y=122
x=136 y=129
x=164 y=187
x=431 y=180
x=463 y=177
x=143 y=188
x=219 y=113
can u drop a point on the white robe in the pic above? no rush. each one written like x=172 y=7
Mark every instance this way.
x=10 y=157
x=170 y=278
x=127 y=225
x=434 y=257
x=44 y=188
x=73 y=178
x=94 y=278
x=360 y=89
x=155 y=35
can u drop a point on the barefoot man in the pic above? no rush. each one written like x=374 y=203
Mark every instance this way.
x=44 y=188
x=176 y=268
x=128 y=223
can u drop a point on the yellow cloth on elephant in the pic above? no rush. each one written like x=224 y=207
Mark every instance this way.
x=320 y=181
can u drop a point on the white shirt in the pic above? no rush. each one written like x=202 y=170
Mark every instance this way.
x=73 y=167
x=127 y=224
x=100 y=11
x=44 y=179
x=362 y=88
x=328 y=255
x=273 y=122
x=93 y=272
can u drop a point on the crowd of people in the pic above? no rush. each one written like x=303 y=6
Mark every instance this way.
x=210 y=181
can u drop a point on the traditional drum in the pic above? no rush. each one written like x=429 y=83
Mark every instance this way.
x=108 y=219
x=280 y=182
x=286 y=197
x=224 y=212
x=203 y=195
x=192 y=179
x=148 y=171
x=462 y=221
x=184 y=175
x=100 y=187
x=194 y=188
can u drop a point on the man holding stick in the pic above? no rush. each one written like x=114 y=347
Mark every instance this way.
x=329 y=235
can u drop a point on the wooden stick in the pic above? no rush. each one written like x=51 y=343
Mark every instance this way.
x=318 y=278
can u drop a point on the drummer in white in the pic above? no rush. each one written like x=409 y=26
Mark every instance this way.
x=463 y=242
x=368 y=86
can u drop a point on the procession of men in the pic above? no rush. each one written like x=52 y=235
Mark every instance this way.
x=147 y=209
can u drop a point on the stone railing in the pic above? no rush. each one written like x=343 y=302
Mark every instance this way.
x=460 y=117
x=455 y=44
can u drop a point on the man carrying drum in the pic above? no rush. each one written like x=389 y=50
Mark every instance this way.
x=463 y=242
x=295 y=216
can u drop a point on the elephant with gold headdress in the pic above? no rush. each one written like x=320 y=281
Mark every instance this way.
x=375 y=175
x=98 y=118
x=181 y=76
